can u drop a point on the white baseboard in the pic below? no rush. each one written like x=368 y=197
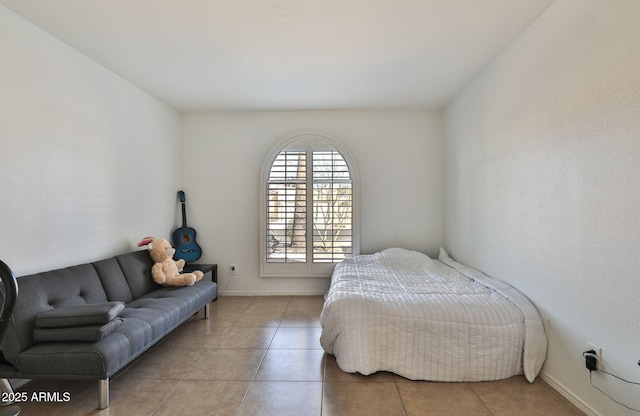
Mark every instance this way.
x=568 y=394
x=244 y=293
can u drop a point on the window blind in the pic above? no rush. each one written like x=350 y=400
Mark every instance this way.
x=325 y=232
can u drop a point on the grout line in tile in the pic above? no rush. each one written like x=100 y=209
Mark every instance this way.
x=167 y=397
x=404 y=408
x=481 y=399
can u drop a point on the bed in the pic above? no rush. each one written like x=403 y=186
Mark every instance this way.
x=424 y=319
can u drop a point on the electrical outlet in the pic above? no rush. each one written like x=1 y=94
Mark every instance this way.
x=598 y=351
x=233 y=269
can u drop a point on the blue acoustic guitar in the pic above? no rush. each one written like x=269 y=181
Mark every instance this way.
x=184 y=238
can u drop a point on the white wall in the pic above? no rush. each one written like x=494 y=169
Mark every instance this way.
x=542 y=186
x=83 y=155
x=398 y=155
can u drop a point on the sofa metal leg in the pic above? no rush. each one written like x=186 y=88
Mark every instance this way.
x=7 y=392
x=103 y=393
x=206 y=311
x=5 y=386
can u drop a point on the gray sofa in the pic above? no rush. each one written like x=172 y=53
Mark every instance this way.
x=87 y=322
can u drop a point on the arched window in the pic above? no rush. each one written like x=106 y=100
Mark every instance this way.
x=309 y=207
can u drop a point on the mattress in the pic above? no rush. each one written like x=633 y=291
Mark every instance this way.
x=424 y=319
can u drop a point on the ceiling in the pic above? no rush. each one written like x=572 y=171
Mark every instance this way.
x=241 y=55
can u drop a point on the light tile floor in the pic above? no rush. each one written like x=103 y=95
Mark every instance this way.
x=262 y=356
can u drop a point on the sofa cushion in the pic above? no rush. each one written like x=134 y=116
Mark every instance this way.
x=86 y=333
x=160 y=316
x=136 y=268
x=79 y=315
x=195 y=296
x=113 y=281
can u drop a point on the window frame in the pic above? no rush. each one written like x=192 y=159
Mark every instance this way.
x=309 y=268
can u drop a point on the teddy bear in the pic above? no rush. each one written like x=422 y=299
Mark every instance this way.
x=166 y=271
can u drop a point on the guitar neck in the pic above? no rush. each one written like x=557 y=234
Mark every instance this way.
x=184 y=217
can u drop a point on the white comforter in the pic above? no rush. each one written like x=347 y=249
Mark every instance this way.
x=424 y=319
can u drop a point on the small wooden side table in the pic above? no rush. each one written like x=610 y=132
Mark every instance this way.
x=204 y=268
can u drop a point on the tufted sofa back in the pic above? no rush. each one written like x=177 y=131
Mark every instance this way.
x=120 y=278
